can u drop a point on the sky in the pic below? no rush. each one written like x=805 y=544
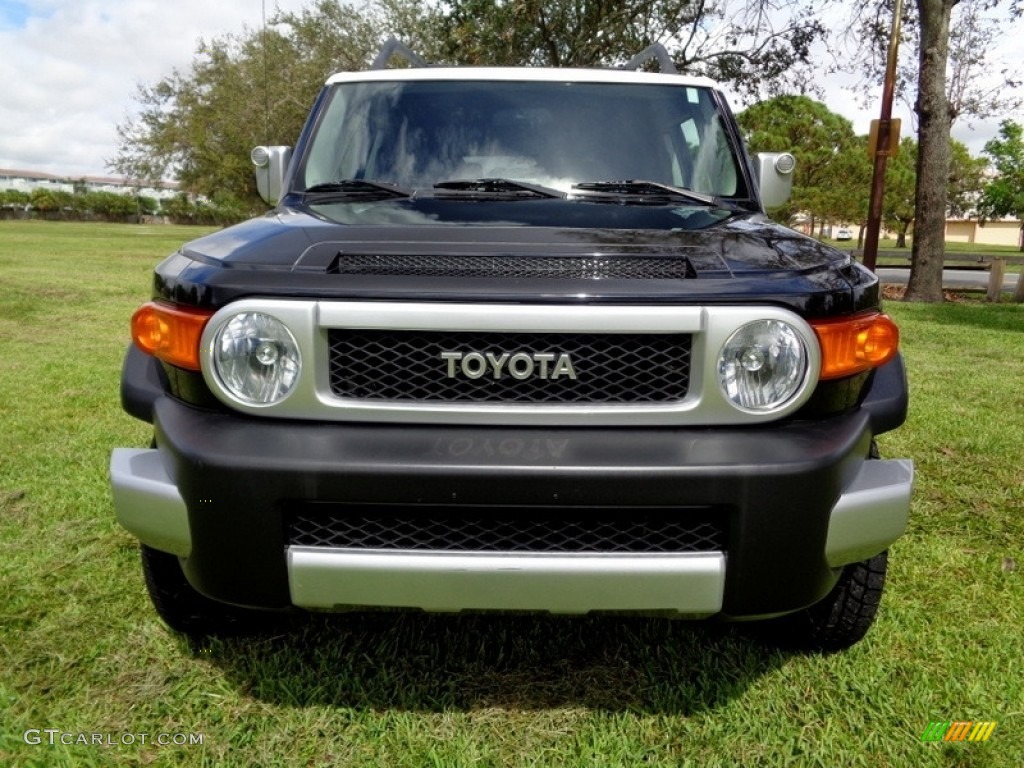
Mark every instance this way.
x=70 y=70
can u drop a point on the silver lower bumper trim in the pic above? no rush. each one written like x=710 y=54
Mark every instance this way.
x=691 y=584
x=147 y=501
x=872 y=512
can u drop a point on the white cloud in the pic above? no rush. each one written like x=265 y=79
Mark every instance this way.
x=70 y=70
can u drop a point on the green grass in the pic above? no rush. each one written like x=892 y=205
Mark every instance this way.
x=83 y=652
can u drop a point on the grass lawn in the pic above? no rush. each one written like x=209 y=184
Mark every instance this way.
x=83 y=652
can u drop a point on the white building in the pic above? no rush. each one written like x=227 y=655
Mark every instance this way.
x=1001 y=232
x=26 y=181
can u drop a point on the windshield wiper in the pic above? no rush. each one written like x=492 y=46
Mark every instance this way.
x=355 y=189
x=495 y=189
x=636 y=190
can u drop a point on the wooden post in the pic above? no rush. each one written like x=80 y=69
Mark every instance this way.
x=882 y=149
x=995 y=278
x=1018 y=296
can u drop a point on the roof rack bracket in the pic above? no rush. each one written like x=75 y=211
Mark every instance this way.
x=394 y=48
x=655 y=51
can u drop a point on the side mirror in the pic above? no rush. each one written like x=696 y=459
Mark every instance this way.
x=775 y=177
x=271 y=165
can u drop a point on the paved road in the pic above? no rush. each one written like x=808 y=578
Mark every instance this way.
x=963 y=279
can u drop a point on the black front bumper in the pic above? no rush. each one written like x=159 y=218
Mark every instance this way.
x=776 y=486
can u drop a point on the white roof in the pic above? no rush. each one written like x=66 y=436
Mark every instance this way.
x=530 y=74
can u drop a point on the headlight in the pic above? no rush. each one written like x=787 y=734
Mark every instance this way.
x=256 y=358
x=762 y=365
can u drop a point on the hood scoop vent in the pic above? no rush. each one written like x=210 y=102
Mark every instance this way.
x=591 y=267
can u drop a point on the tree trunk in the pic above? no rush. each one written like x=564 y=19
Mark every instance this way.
x=901 y=235
x=933 y=153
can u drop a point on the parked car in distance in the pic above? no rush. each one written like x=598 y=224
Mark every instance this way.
x=844 y=234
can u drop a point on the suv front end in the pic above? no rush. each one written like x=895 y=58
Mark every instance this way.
x=489 y=354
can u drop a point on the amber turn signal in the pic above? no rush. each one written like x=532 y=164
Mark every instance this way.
x=856 y=344
x=170 y=333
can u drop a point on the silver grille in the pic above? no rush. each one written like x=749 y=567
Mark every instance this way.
x=381 y=361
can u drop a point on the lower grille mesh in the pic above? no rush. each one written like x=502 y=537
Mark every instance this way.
x=487 y=530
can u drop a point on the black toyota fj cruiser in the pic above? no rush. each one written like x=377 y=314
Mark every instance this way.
x=516 y=339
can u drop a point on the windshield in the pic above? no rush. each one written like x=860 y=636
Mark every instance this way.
x=416 y=134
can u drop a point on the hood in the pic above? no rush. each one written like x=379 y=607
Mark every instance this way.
x=716 y=242
x=598 y=253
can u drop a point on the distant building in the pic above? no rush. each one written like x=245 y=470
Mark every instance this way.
x=1002 y=232
x=26 y=181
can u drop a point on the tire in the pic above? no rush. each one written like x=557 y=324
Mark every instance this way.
x=184 y=609
x=844 y=616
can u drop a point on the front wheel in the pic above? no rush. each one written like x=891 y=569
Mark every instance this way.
x=844 y=616
x=183 y=608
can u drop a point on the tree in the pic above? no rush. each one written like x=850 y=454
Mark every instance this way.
x=179 y=209
x=1003 y=196
x=147 y=206
x=934 y=123
x=847 y=198
x=821 y=141
x=740 y=43
x=963 y=185
x=14 y=199
x=945 y=78
x=966 y=181
x=112 y=205
x=898 y=209
x=50 y=200
x=247 y=89
x=977 y=85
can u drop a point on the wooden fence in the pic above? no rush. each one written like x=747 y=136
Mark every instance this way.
x=994 y=265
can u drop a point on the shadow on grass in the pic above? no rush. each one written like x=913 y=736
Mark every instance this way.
x=434 y=663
